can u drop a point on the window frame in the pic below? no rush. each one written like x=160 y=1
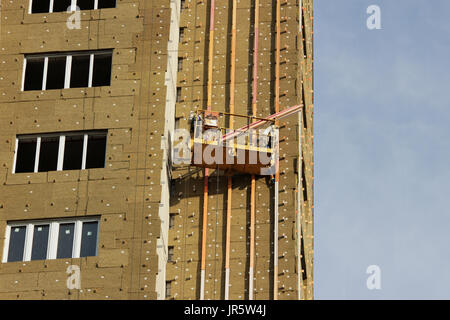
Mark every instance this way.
x=68 y=70
x=170 y=254
x=182 y=34
x=73 y=6
x=62 y=140
x=168 y=289
x=52 y=245
x=171 y=221
x=180 y=64
x=179 y=95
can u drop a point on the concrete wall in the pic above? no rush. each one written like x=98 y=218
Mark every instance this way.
x=127 y=194
x=187 y=199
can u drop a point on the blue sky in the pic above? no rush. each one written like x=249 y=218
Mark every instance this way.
x=382 y=149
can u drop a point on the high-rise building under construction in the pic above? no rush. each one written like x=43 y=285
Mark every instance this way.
x=93 y=97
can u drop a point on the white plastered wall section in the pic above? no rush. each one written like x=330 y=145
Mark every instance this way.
x=171 y=84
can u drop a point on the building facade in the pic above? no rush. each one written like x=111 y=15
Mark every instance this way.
x=92 y=93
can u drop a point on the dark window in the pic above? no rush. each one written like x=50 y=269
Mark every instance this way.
x=16 y=243
x=106 y=4
x=73 y=152
x=26 y=154
x=55 y=76
x=61 y=5
x=305 y=122
x=182 y=31
x=102 y=70
x=168 y=288
x=96 y=151
x=170 y=254
x=179 y=94
x=65 y=240
x=40 y=242
x=43 y=6
x=40 y=6
x=180 y=64
x=183 y=5
x=48 y=155
x=34 y=73
x=305 y=191
x=171 y=221
x=89 y=239
x=79 y=77
x=85 y=4
x=56 y=73
x=303 y=36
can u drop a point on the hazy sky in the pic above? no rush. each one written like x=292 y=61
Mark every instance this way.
x=382 y=148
